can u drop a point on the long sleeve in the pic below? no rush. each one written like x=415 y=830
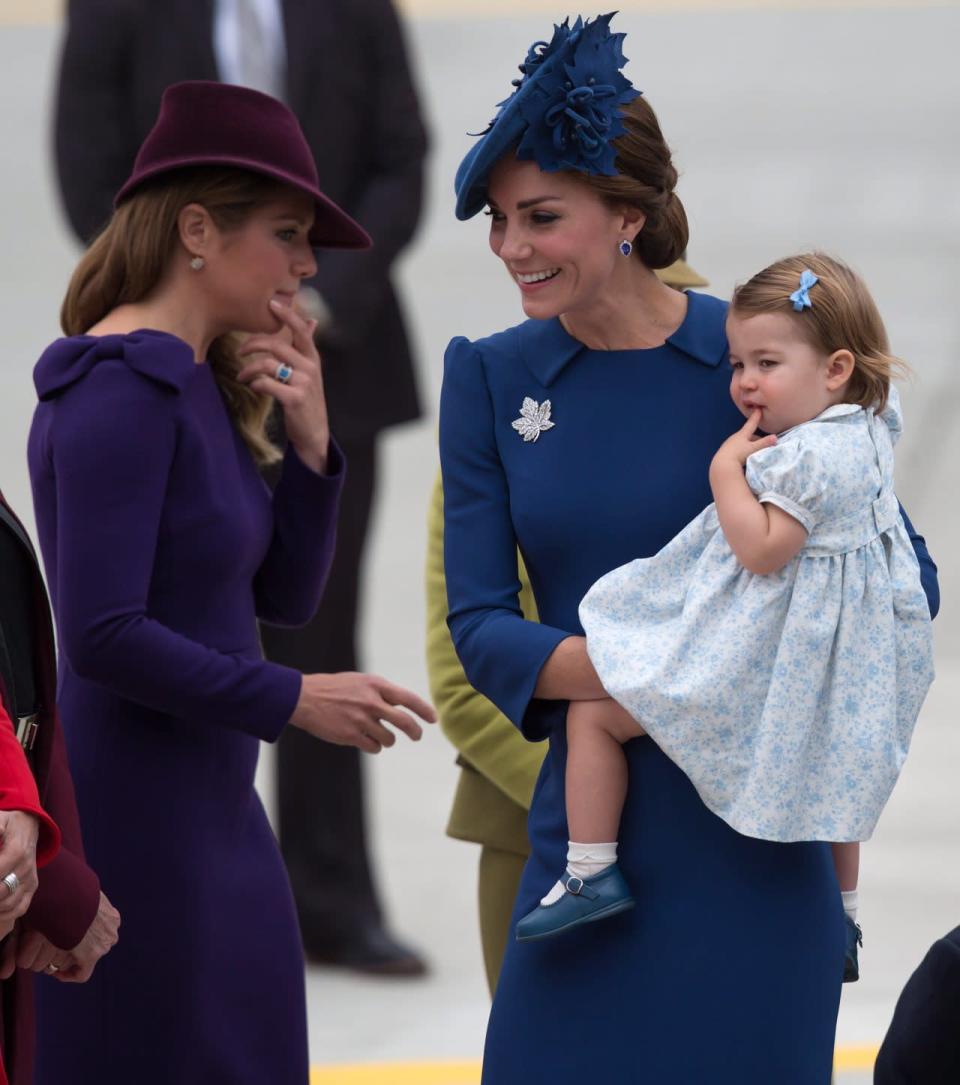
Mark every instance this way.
x=18 y=791
x=389 y=199
x=473 y=724
x=94 y=144
x=502 y=653
x=68 y=895
x=291 y=579
x=928 y=568
x=113 y=440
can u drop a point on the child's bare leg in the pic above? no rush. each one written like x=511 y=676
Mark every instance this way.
x=846 y=861
x=596 y=783
x=596 y=786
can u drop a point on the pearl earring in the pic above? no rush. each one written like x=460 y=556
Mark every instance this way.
x=197 y=263
x=626 y=247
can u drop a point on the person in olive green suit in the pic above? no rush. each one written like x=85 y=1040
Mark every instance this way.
x=499 y=768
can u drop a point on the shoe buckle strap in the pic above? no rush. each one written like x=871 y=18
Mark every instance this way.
x=579 y=888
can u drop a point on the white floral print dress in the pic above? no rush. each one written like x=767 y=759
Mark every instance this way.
x=789 y=700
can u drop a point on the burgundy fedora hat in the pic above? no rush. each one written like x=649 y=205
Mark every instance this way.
x=203 y=123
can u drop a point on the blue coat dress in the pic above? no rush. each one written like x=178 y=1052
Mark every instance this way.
x=162 y=547
x=729 y=968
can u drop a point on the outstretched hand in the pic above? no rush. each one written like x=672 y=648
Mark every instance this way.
x=740 y=446
x=351 y=709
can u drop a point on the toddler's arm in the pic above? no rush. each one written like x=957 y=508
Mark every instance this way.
x=604 y=714
x=762 y=536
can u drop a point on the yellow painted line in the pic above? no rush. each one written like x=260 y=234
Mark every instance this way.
x=846 y=1059
x=409 y=1073
x=855 y=1058
x=45 y=12
x=30 y=12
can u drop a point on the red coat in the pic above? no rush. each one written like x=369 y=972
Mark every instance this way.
x=66 y=900
x=18 y=789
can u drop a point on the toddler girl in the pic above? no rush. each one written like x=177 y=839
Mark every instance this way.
x=778 y=649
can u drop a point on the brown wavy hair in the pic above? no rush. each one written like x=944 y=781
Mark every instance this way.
x=124 y=264
x=646 y=179
x=842 y=316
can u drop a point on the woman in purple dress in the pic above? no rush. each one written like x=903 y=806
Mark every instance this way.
x=163 y=547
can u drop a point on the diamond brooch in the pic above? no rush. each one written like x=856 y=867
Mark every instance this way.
x=534 y=419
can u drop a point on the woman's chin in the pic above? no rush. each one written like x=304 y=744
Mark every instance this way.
x=260 y=324
x=539 y=308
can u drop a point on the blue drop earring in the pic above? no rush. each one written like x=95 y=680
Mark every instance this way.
x=626 y=247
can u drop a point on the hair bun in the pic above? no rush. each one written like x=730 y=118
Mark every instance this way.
x=663 y=239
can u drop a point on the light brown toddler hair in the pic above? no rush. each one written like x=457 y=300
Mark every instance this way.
x=842 y=315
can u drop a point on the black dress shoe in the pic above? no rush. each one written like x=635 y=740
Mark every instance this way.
x=370 y=950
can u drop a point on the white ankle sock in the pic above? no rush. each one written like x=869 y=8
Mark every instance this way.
x=850 y=903
x=583 y=861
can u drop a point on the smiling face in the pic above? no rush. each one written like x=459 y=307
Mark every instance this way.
x=776 y=370
x=556 y=237
x=265 y=258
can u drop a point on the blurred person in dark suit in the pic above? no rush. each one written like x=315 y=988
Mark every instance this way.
x=922 y=1045
x=342 y=68
x=69 y=924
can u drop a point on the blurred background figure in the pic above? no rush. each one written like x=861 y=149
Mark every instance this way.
x=342 y=68
x=69 y=923
x=923 y=1041
x=498 y=767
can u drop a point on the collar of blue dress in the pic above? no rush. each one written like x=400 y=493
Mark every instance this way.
x=547 y=348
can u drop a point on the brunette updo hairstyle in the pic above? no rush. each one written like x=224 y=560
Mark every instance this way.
x=646 y=179
x=842 y=315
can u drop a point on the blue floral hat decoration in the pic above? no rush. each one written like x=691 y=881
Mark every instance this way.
x=564 y=112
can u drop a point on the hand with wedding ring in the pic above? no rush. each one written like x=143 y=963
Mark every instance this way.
x=33 y=951
x=18 y=865
x=30 y=950
x=350 y=709
x=286 y=365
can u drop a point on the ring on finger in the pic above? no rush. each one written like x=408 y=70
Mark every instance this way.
x=12 y=882
x=284 y=373
x=51 y=969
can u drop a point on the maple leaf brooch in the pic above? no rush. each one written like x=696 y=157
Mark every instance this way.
x=534 y=419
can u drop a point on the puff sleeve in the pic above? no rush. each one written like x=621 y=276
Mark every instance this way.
x=790 y=475
x=501 y=652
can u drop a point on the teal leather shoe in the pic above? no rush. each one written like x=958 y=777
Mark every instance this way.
x=585 y=901
x=851 y=964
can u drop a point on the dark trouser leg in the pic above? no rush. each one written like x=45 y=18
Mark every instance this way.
x=320 y=787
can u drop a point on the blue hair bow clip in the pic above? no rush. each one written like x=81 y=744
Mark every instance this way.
x=801 y=296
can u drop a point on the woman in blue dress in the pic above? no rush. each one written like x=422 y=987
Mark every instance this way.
x=584 y=436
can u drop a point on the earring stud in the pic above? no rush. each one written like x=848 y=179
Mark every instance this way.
x=197 y=263
x=626 y=247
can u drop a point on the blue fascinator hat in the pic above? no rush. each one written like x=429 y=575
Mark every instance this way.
x=564 y=112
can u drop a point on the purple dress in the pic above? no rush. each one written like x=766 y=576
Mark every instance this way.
x=162 y=547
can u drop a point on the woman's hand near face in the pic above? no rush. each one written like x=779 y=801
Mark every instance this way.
x=302 y=396
x=350 y=709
